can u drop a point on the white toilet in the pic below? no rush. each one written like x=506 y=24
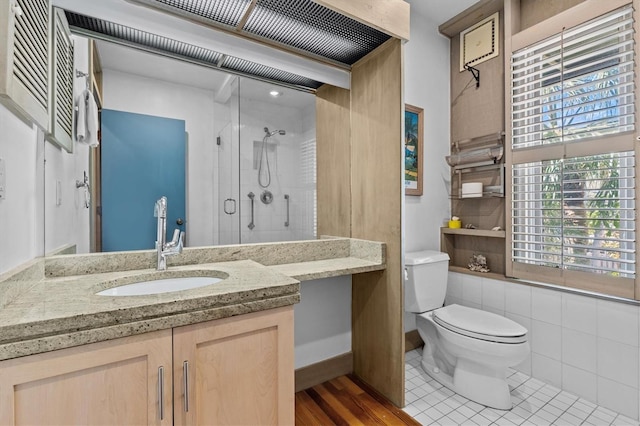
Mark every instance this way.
x=466 y=349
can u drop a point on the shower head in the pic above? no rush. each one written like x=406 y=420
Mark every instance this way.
x=279 y=132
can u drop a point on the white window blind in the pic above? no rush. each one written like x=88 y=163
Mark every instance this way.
x=576 y=214
x=573 y=160
x=575 y=85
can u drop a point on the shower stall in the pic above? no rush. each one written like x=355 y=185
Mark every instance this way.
x=265 y=179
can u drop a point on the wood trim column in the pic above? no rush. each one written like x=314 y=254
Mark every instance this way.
x=333 y=154
x=376 y=214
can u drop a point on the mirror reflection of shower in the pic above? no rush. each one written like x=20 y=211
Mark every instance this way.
x=264 y=169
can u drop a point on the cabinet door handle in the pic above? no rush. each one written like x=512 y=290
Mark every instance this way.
x=185 y=384
x=161 y=391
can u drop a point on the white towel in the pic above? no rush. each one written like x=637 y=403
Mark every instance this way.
x=87 y=121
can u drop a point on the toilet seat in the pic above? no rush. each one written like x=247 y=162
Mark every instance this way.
x=479 y=324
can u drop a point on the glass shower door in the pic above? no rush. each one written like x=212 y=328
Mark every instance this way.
x=228 y=175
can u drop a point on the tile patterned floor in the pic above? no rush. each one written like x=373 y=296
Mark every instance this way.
x=535 y=403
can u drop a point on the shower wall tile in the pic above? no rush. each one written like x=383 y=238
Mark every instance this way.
x=285 y=163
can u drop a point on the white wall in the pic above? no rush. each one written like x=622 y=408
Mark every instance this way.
x=21 y=218
x=322 y=320
x=142 y=95
x=427 y=86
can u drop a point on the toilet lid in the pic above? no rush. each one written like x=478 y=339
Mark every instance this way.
x=480 y=324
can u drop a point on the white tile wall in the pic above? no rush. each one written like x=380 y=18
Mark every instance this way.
x=583 y=345
x=618 y=322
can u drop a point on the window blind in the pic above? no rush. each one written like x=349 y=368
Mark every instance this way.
x=576 y=214
x=573 y=206
x=577 y=84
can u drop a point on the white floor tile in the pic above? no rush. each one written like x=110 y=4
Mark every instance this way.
x=412 y=410
x=536 y=403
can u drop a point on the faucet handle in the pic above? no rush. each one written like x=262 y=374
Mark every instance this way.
x=177 y=242
x=177 y=236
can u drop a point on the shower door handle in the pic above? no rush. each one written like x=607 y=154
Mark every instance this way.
x=251 y=196
x=287 y=198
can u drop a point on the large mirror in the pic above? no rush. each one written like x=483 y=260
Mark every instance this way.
x=235 y=157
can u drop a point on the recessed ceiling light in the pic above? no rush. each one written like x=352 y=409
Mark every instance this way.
x=275 y=93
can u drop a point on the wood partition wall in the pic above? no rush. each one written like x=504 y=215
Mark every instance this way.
x=360 y=187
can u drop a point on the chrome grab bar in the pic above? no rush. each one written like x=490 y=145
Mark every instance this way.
x=286 y=197
x=251 y=196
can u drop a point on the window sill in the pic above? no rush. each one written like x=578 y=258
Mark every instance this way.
x=578 y=292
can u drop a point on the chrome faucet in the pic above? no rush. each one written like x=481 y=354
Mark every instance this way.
x=163 y=248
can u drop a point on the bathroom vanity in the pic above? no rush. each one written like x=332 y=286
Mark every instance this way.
x=183 y=357
x=212 y=369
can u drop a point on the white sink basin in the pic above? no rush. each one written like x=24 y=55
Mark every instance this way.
x=159 y=286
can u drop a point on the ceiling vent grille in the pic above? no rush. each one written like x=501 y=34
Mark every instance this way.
x=110 y=31
x=302 y=26
x=141 y=38
x=313 y=28
x=227 y=12
x=251 y=68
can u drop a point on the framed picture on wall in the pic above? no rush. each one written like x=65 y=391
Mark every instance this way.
x=413 y=137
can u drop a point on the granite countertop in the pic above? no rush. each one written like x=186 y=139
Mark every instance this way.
x=51 y=303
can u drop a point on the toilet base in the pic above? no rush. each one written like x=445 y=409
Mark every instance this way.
x=468 y=382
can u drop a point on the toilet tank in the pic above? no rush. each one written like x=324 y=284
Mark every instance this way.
x=425 y=280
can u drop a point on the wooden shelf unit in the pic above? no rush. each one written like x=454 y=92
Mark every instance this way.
x=477 y=159
x=475 y=232
x=462 y=244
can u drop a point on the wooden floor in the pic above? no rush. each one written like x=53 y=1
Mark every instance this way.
x=346 y=400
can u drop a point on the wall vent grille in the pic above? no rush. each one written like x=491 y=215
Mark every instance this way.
x=30 y=58
x=62 y=107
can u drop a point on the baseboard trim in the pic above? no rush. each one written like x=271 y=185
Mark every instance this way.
x=412 y=340
x=320 y=372
x=314 y=374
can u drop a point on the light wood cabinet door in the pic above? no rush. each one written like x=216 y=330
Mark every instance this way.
x=235 y=371
x=113 y=382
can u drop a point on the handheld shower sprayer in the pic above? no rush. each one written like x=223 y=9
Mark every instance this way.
x=264 y=156
x=269 y=134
